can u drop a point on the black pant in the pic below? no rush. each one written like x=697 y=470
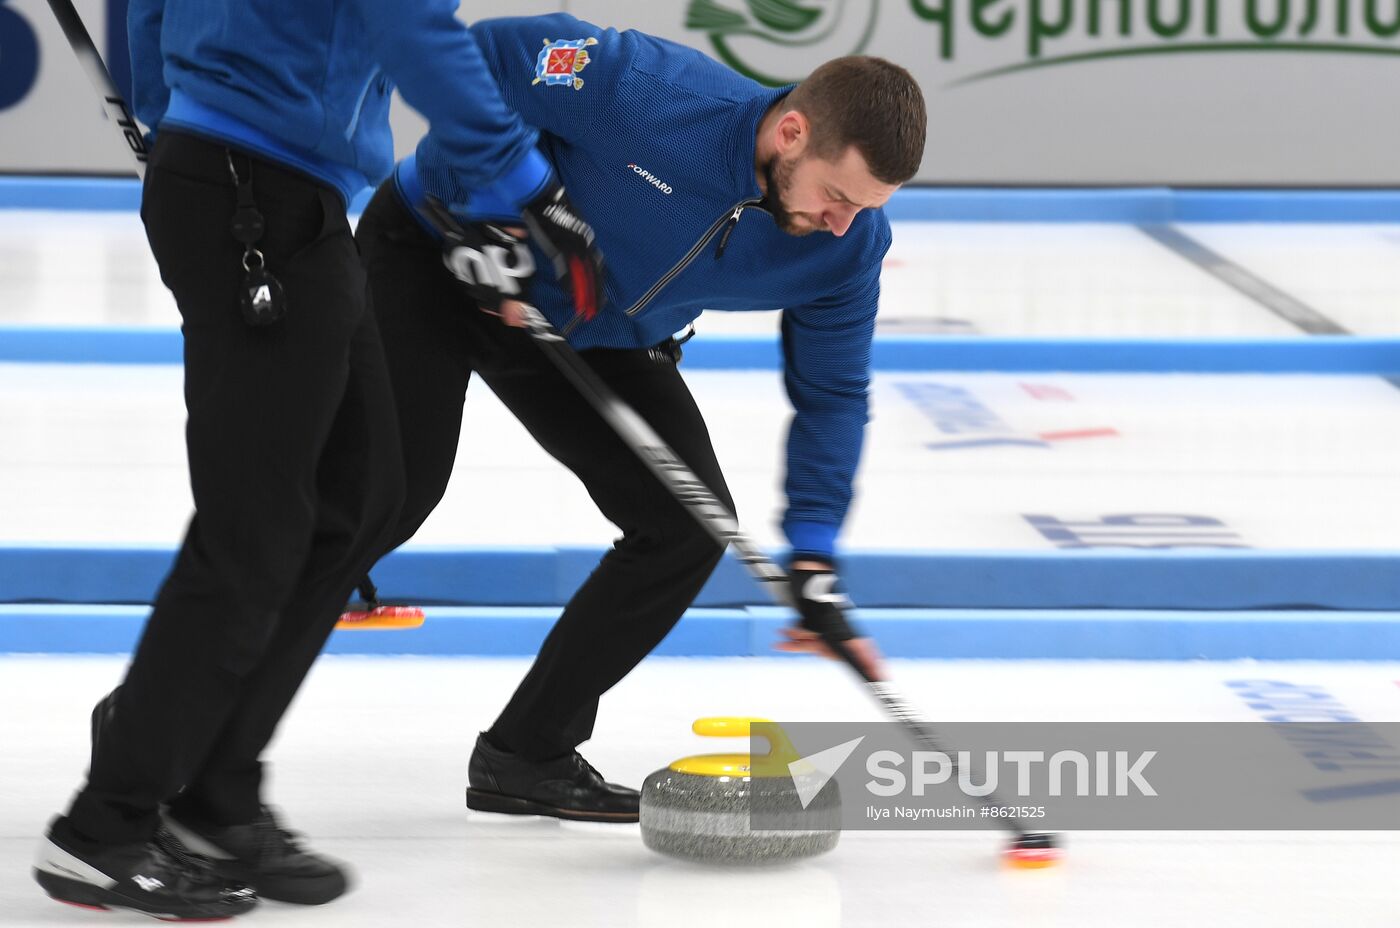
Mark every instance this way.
x=434 y=339
x=297 y=478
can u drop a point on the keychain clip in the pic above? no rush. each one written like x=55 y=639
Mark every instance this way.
x=260 y=295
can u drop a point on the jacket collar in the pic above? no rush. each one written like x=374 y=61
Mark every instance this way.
x=744 y=140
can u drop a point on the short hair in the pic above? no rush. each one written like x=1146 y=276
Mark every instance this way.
x=870 y=103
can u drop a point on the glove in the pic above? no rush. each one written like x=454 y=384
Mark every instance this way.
x=494 y=263
x=823 y=608
x=556 y=227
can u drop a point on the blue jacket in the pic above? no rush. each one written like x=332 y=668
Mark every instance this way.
x=308 y=83
x=655 y=144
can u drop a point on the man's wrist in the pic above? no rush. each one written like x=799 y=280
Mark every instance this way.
x=809 y=562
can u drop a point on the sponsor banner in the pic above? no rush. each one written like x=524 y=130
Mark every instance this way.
x=1312 y=773
x=1229 y=92
x=51 y=118
x=1093 y=91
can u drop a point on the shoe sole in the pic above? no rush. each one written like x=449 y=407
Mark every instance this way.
x=481 y=800
x=86 y=896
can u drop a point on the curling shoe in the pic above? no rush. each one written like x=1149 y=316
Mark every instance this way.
x=564 y=787
x=159 y=877
x=265 y=855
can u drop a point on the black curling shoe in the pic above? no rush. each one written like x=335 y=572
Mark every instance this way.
x=564 y=787
x=265 y=855
x=159 y=878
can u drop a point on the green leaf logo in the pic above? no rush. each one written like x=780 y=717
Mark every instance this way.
x=762 y=30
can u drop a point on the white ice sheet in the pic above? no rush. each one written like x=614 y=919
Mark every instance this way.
x=371 y=764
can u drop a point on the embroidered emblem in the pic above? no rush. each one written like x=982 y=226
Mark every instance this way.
x=559 y=62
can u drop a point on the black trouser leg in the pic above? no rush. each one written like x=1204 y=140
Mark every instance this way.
x=434 y=338
x=353 y=525
x=422 y=320
x=295 y=471
x=654 y=571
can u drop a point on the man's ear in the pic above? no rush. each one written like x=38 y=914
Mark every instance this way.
x=793 y=134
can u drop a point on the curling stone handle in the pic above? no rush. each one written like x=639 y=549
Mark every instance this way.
x=724 y=726
x=780 y=749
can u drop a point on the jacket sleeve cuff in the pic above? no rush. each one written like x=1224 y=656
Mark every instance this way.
x=526 y=180
x=814 y=538
x=488 y=205
x=409 y=187
x=491 y=205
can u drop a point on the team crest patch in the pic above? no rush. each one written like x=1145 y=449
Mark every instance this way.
x=560 y=62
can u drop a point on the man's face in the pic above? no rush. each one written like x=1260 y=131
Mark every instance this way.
x=809 y=194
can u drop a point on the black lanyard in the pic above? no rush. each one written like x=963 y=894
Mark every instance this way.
x=260 y=295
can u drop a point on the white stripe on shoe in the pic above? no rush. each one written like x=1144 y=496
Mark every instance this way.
x=50 y=858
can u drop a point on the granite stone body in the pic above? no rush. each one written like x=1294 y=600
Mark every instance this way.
x=706 y=818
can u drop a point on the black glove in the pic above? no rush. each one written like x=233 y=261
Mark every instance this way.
x=559 y=231
x=824 y=608
x=494 y=263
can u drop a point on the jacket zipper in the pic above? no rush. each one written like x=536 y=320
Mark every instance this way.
x=731 y=224
x=730 y=219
